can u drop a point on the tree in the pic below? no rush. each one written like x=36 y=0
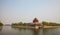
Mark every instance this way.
x=1 y=23
x=45 y=23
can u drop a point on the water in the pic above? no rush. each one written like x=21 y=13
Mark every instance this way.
x=8 y=30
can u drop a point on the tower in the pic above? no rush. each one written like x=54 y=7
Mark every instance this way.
x=35 y=21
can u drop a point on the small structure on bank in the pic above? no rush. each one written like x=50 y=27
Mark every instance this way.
x=36 y=23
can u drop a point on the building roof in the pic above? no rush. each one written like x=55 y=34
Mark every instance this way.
x=35 y=20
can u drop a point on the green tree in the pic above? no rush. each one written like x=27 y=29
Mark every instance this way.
x=45 y=23
x=1 y=23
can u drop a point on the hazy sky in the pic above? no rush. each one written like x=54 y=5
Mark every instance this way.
x=26 y=10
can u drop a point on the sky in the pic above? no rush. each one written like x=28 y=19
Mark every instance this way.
x=12 y=11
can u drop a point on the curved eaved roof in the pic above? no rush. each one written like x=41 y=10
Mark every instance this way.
x=35 y=20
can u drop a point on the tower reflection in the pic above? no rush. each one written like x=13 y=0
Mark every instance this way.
x=35 y=31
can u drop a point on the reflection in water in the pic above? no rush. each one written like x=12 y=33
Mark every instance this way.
x=24 y=31
x=7 y=30
x=53 y=31
x=35 y=31
x=32 y=31
x=1 y=28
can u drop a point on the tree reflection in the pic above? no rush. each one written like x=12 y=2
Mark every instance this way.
x=1 y=28
x=29 y=30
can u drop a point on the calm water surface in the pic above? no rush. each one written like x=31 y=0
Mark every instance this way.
x=8 y=30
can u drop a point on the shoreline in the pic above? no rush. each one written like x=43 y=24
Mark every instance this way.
x=34 y=27
x=51 y=27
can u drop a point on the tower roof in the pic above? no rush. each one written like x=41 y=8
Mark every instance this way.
x=35 y=20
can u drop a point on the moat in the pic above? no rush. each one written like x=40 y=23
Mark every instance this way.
x=8 y=30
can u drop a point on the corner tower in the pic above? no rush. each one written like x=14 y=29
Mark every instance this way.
x=36 y=21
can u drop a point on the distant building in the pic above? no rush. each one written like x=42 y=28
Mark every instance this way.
x=36 y=22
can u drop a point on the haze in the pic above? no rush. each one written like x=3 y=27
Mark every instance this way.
x=25 y=10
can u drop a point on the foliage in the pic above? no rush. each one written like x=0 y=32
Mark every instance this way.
x=1 y=24
x=28 y=24
x=50 y=23
x=20 y=24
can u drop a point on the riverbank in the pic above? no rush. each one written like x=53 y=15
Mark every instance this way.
x=22 y=26
x=34 y=27
x=51 y=27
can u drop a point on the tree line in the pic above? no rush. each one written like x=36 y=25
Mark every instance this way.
x=50 y=23
x=43 y=23
x=1 y=24
x=20 y=24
